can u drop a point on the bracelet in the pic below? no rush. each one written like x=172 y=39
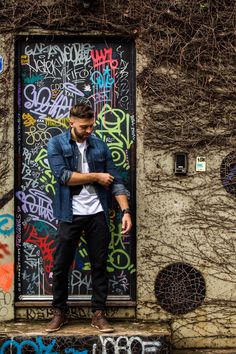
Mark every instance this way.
x=126 y=211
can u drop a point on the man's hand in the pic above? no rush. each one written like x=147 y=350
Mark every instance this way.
x=105 y=179
x=126 y=224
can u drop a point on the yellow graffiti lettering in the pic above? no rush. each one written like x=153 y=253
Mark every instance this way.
x=24 y=59
x=34 y=136
x=28 y=119
x=61 y=122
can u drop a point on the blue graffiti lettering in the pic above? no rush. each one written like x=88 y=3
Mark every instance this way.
x=6 y=224
x=32 y=79
x=39 y=347
x=102 y=81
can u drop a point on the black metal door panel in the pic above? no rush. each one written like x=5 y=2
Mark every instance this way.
x=53 y=74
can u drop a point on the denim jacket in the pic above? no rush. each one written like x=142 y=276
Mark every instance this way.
x=63 y=156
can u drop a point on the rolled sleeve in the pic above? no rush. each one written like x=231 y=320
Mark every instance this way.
x=65 y=176
x=119 y=189
x=57 y=162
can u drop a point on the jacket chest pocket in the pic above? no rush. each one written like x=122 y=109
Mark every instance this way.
x=100 y=164
x=71 y=157
x=71 y=161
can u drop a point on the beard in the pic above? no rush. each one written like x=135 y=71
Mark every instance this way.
x=80 y=137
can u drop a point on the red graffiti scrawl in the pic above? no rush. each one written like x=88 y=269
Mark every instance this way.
x=103 y=56
x=4 y=250
x=44 y=245
x=6 y=276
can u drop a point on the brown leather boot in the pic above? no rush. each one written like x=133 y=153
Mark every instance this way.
x=100 y=322
x=58 y=320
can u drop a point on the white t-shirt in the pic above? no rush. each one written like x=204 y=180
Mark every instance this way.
x=87 y=202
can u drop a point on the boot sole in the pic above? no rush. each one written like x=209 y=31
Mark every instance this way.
x=108 y=330
x=49 y=330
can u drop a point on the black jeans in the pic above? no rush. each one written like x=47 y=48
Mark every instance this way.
x=97 y=236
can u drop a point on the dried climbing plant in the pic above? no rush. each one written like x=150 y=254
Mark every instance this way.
x=188 y=83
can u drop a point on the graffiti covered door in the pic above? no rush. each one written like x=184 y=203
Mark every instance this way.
x=54 y=74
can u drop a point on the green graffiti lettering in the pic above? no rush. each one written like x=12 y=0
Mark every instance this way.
x=113 y=127
x=46 y=174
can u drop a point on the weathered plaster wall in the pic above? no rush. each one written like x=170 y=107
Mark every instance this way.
x=179 y=219
x=6 y=179
x=189 y=219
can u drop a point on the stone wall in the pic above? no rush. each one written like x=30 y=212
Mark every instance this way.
x=185 y=238
x=7 y=178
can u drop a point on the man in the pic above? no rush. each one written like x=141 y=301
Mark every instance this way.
x=85 y=175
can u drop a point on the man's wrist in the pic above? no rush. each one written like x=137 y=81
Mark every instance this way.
x=94 y=176
x=126 y=211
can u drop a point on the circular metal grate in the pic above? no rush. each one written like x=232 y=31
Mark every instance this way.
x=228 y=173
x=180 y=288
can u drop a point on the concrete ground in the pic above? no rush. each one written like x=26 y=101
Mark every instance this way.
x=78 y=337
x=81 y=335
x=122 y=328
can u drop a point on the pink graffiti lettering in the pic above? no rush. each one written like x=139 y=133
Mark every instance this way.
x=103 y=56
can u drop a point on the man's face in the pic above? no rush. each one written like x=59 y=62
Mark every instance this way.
x=81 y=127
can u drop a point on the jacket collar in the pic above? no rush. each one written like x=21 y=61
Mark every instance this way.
x=90 y=140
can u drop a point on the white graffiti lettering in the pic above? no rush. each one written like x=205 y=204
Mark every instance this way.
x=40 y=102
x=36 y=203
x=126 y=344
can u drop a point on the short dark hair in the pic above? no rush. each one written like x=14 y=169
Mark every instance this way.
x=81 y=110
